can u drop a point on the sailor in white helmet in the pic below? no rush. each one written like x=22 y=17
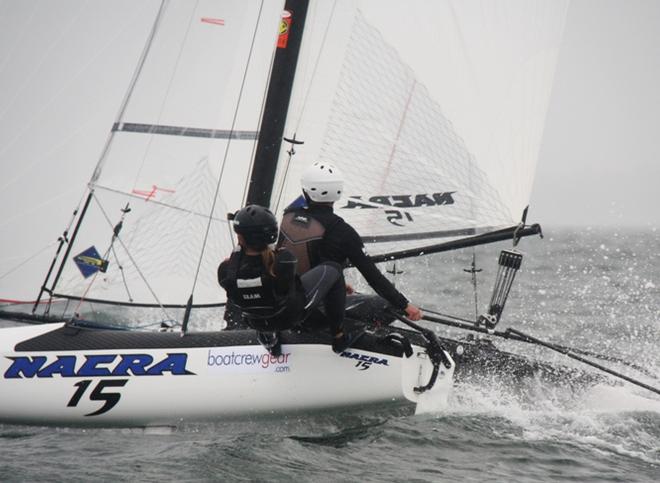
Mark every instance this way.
x=315 y=234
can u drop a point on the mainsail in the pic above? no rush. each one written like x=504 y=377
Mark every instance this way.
x=179 y=156
x=434 y=113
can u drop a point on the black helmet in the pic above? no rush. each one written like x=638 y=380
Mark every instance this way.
x=257 y=225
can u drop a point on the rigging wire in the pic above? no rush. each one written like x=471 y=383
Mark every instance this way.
x=43 y=107
x=135 y=265
x=226 y=153
x=99 y=165
x=27 y=260
x=129 y=91
x=147 y=149
x=303 y=107
x=256 y=139
x=106 y=255
x=155 y=202
x=62 y=240
x=472 y=326
x=291 y=152
x=319 y=55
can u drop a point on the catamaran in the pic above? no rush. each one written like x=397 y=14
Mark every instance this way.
x=437 y=127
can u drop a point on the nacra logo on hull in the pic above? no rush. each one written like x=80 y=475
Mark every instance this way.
x=364 y=361
x=98 y=365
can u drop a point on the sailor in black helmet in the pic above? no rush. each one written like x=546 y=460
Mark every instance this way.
x=315 y=234
x=264 y=285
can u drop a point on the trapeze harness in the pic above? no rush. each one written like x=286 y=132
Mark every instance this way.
x=253 y=291
x=301 y=233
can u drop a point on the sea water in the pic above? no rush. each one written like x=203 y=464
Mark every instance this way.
x=593 y=289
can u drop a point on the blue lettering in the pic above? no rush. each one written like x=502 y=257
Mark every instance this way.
x=64 y=366
x=28 y=366
x=136 y=363
x=365 y=358
x=89 y=368
x=174 y=363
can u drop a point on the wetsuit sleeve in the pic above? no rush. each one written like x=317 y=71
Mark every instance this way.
x=360 y=260
x=222 y=272
x=285 y=271
x=232 y=311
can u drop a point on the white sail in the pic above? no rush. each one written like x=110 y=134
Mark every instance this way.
x=64 y=70
x=180 y=155
x=434 y=113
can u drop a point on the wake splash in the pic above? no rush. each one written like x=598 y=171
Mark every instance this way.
x=611 y=420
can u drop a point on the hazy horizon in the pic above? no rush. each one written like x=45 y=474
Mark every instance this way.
x=600 y=158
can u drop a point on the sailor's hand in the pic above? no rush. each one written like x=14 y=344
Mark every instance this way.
x=413 y=313
x=349 y=289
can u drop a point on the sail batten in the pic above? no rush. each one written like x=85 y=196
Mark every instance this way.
x=194 y=132
x=437 y=128
x=179 y=156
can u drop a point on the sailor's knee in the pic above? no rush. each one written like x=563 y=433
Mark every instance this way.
x=332 y=267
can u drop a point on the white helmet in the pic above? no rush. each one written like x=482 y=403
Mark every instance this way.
x=322 y=182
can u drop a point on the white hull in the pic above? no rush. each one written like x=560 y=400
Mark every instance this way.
x=153 y=387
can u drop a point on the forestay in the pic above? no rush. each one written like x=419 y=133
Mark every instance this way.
x=434 y=111
x=179 y=155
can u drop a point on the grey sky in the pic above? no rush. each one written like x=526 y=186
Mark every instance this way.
x=600 y=158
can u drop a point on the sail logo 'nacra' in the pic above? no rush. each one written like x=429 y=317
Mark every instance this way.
x=364 y=361
x=400 y=201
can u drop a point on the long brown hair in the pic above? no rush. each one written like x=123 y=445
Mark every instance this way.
x=268 y=259
x=267 y=255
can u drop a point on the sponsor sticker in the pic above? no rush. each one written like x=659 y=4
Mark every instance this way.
x=253 y=360
x=96 y=365
x=363 y=361
x=285 y=25
x=89 y=262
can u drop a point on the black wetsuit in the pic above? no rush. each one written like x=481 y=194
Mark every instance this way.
x=283 y=301
x=341 y=243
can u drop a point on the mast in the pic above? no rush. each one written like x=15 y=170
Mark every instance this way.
x=277 y=103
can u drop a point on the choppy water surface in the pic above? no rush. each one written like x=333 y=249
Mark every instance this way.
x=597 y=290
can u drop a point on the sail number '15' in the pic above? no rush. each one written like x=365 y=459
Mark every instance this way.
x=110 y=398
x=94 y=366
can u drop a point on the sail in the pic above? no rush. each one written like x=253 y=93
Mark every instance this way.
x=64 y=71
x=434 y=113
x=178 y=159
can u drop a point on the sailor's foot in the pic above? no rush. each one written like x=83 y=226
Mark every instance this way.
x=271 y=341
x=345 y=339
